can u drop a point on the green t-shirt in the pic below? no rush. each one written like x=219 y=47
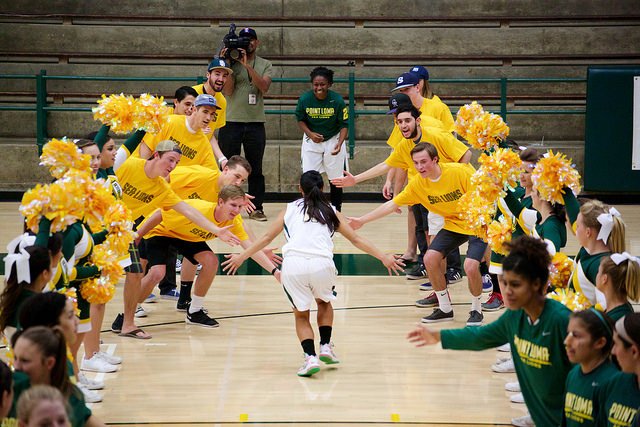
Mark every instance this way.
x=553 y=230
x=620 y=311
x=239 y=109
x=538 y=354
x=616 y=401
x=326 y=116
x=578 y=401
x=79 y=411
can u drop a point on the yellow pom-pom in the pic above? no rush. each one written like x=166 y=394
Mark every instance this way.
x=476 y=211
x=560 y=270
x=98 y=201
x=466 y=114
x=552 y=174
x=151 y=113
x=61 y=155
x=498 y=233
x=98 y=291
x=117 y=111
x=485 y=130
x=60 y=202
x=574 y=301
x=503 y=166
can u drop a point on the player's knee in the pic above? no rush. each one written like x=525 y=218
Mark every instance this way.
x=156 y=273
x=471 y=267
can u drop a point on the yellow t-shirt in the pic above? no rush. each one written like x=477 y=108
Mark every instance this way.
x=434 y=107
x=142 y=194
x=195 y=182
x=450 y=150
x=195 y=146
x=441 y=196
x=425 y=121
x=220 y=116
x=175 y=225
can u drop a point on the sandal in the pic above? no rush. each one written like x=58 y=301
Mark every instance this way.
x=135 y=334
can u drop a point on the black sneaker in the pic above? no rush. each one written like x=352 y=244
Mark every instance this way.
x=182 y=305
x=453 y=276
x=430 y=301
x=438 y=316
x=416 y=272
x=116 y=326
x=475 y=318
x=201 y=318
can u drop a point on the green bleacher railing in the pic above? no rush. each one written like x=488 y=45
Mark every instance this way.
x=41 y=106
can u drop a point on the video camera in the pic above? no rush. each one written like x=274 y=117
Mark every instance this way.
x=232 y=42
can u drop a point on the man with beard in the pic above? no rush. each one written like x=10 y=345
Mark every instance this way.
x=245 y=126
x=218 y=73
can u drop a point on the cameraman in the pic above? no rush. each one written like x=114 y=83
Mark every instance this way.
x=245 y=89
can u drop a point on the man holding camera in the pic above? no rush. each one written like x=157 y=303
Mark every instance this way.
x=245 y=91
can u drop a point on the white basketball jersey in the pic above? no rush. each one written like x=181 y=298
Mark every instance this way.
x=305 y=237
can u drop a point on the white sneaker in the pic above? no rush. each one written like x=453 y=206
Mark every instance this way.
x=512 y=387
x=178 y=266
x=309 y=367
x=525 y=421
x=505 y=367
x=89 y=383
x=517 y=398
x=502 y=359
x=327 y=355
x=89 y=396
x=109 y=358
x=97 y=364
x=505 y=348
x=140 y=312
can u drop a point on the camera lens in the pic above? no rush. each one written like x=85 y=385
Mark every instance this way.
x=235 y=54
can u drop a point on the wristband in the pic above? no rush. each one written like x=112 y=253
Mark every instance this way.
x=274 y=270
x=220 y=160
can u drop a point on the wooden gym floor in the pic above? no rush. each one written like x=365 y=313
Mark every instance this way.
x=245 y=370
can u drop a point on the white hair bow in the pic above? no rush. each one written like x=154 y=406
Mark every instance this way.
x=606 y=221
x=21 y=260
x=618 y=258
x=21 y=242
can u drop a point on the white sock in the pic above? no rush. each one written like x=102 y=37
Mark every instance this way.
x=196 y=304
x=476 y=305
x=444 y=302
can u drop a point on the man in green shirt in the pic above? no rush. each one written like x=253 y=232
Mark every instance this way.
x=245 y=92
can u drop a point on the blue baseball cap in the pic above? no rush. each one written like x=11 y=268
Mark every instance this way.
x=206 y=100
x=398 y=100
x=420 y=71
x=249 y=32
x=219 y=63
x=406 y=80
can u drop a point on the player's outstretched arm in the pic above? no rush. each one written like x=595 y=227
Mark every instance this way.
x=149 y=224
x=393 y=264
x=234 y=261
x=350 y=180
x=197 y=218
x=379 y=212
x=422 y=336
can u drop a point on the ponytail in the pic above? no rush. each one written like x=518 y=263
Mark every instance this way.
x=624 y=277
x=39 y=261
x=315 y=204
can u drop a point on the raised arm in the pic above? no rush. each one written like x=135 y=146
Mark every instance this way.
x=231 y=265
x=197 y=218
x=350 y=180
x=379 y=212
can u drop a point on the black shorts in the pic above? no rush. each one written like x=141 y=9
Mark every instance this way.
x=446 y=241
x=135 y=255
x=158 y=249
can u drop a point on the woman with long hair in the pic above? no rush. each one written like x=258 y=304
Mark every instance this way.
x=534 y=326
x=619 y=280
x=588 y=344
x=308 y=271
x=41 y=358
